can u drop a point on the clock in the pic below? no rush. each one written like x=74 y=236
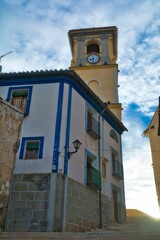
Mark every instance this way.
x=93 y=58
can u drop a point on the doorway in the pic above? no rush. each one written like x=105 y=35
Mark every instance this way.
x=115 y=205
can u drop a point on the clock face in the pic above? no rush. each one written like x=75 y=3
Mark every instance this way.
x=93 y=58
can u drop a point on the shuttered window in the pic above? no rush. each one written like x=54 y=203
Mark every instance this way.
x=19 y=100
x=32 y=150
x=20 y=97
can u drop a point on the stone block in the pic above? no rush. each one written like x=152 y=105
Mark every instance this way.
x=86 y=223
x=33 y=205
x=78 y=202
x=70 y=200
x=78 y=220
x=20 y=186
x=72 y=227
x=69 y=190
x=27 y=196
x=33 y=187
x=10 y=225
x=41 y=196
x=44 y=205
x=15 y=196
x=40 y=215
x=31 y=178
x=21 y=225
x=36 y=178
x=18 y=204
x=17 y=178
x=11 y=214
x=43 y=225
x=74 y=192
x=93 y=224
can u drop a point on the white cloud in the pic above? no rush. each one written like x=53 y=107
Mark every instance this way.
x=36 y=32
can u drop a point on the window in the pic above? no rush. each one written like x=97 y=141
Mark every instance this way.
x=93 y=48
x=20 y=97
x=31 y=148
x=113 y=135
x=93 y=127
x=117 y=169
x=104 y=170
x=92 y=175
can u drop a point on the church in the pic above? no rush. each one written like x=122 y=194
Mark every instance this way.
x=68 y=173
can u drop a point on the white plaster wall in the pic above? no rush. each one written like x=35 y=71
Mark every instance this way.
x=40 y=122
x=63 y=129
x=109 y=143
x=76 y=162
x=4 y=92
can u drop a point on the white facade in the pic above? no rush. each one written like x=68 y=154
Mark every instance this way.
x=58 y=115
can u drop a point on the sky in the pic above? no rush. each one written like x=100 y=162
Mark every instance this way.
x=36 y=33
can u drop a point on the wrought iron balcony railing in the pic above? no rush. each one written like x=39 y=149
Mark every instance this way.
x=93 y=176
x=117 y=169
x=93 y=126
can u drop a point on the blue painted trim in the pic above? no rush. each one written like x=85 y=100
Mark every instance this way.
x=68 y=126
x=113 y=135
x=118 y=190
x=29 y=89
x=60 y=79
x=27 y=139
x=85 y=166
x=91 y=155
x=88 y=106
x=102 y=136
x=55 y=160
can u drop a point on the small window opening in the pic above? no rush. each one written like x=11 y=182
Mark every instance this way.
x=19 y=99
x=32 y=150
x=93 y=48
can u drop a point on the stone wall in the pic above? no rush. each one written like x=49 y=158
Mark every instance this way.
x=82 y=213
x=10 y=128
x=28 y=204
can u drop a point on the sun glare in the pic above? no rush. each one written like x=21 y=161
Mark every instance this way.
x=146 y=202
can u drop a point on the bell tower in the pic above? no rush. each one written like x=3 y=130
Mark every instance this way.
x=94 y=55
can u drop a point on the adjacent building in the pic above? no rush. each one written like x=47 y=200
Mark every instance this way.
x=57 y=185
x=10 y=128
x=153 y=132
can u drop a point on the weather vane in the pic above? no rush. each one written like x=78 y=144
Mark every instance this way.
x=2 y=57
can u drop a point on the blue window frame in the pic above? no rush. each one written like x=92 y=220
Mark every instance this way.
x=117 y=168
x=91 y=173
x=31 y=148
x=20 y=97
x=92 y=125
x=113 y=135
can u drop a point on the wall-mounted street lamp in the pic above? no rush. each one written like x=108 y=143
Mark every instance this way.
x=76 y=145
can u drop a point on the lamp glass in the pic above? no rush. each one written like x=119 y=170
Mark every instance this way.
x=76 y=144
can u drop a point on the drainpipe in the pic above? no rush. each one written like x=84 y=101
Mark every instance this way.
x=99 y=161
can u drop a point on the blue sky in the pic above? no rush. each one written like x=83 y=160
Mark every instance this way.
x=36 y=32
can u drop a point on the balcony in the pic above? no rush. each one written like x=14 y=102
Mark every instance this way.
x=117 y=170
x=93 y=176
x=93 y=127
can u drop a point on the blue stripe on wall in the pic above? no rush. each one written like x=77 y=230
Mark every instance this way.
x=58 y=129
x=64 y=79
x=68 y=125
